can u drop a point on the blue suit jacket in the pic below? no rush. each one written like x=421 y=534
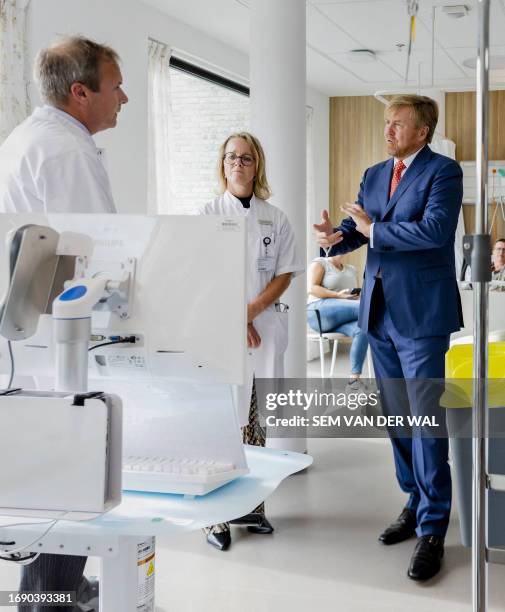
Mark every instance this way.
x=413 y=244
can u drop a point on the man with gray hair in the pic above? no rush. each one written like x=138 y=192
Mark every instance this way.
x=51 y=164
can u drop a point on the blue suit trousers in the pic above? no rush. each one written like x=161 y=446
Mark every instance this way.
x=421 y=461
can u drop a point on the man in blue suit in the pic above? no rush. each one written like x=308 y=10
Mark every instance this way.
x=407 y=212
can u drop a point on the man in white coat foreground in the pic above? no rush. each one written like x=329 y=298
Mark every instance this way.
x=50 y=164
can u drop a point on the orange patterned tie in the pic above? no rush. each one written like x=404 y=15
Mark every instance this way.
x=397 y=175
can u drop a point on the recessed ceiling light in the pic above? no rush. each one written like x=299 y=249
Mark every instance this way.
x=456 y=11
x=362 y=56
x=496 y=62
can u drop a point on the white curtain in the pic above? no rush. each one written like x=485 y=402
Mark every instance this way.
x=14 y=100
x=159 y=191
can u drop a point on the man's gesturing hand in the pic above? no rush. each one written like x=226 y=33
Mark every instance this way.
x=325 y=236
x=359 y=216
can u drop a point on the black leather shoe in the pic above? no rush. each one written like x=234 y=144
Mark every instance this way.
x=263 y=527
x=427 y=557
x=402 y=529
x=220 y=540
x=256 y=522
x=253 y=518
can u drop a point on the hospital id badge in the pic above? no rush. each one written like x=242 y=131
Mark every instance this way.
x=265 y=264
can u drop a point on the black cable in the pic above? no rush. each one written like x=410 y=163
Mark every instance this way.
x=9 y=344
x=20 y=559
x=10 y=391
x=16 y=557
x=127 y=340
x=92 y=348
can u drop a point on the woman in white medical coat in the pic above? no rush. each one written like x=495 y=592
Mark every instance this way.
x=272 y=261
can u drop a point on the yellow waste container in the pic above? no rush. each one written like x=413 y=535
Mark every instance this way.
x=458 y=401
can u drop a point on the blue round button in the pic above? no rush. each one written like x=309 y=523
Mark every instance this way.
x=73 y=293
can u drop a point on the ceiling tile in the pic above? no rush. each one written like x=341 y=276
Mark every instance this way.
x=445 y=68
x=337 y=26
x=462 y=32
x=462 y=53
x=378 y=25
x=328 y=76
x=370 y=72
x=323 y=34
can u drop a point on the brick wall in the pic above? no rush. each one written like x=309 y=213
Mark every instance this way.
x=203 y=114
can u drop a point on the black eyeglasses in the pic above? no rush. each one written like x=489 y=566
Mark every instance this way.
x=231 y=157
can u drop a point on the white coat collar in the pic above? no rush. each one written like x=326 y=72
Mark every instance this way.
x=68 y=117
x=255 y=202
x=48 y=112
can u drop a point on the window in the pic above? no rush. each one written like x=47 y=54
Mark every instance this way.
x=205 y=109
x=191 y=112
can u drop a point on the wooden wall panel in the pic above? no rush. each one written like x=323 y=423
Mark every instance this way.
x=356 y=142
x=498 y=230
x=460 y=124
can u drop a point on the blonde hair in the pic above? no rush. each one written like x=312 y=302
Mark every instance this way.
x=424 y=111
x=261 y=188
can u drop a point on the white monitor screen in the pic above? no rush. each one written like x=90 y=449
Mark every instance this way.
x=187 y=306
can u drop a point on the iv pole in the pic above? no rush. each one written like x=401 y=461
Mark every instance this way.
x=481 y=275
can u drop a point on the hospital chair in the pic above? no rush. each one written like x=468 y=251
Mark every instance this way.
x=336 y=337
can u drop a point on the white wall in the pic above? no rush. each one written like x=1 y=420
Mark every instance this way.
x=321 y=153
x=126 y=25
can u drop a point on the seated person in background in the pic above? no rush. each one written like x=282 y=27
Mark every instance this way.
x=498 y=263
x=329 y=291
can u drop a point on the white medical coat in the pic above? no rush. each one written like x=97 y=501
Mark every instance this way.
x=51 y=164
x=263 y=221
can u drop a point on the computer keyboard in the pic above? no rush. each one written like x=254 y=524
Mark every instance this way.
x=182 y=476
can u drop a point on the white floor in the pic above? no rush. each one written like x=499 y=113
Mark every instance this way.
x=324 y=555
